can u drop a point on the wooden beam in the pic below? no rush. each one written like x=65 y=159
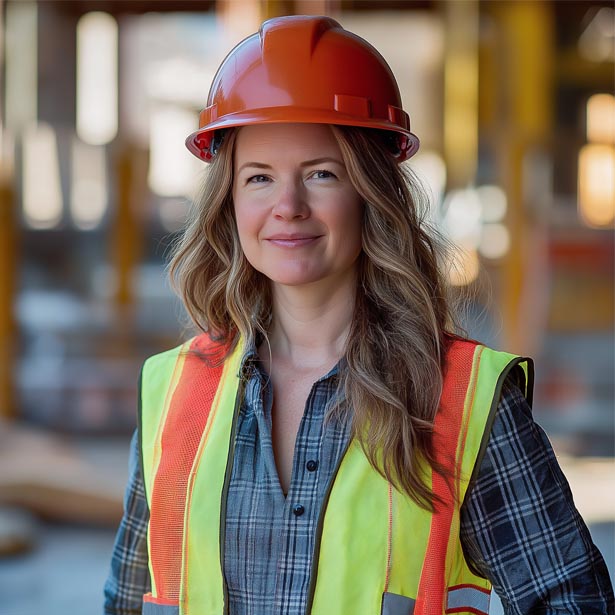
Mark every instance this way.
x=8 y=268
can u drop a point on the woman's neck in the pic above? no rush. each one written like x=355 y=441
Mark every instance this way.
x=310 y=325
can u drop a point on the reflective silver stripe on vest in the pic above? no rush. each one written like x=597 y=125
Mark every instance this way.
x=468 y=597
x=149 y=608
x=394 y=604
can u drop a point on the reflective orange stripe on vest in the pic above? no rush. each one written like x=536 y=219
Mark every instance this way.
x=450 y=428
x=180 y=440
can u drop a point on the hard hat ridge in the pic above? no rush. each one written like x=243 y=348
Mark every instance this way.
x=307 y=42
x=304 y=69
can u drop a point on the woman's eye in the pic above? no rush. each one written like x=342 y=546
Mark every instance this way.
x=323 y=174
x=257 y=179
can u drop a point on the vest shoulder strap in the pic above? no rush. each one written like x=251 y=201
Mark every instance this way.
x=178 y=392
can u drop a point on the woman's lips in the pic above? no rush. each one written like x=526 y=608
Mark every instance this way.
x=292 y=241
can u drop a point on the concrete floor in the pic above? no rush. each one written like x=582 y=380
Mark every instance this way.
x=64 y=575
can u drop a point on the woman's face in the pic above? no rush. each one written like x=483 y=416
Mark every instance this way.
x=298 y=216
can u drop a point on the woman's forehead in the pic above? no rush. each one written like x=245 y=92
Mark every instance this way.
x=284 y=140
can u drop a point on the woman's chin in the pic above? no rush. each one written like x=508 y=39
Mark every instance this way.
x=294 y=278
x=295 y=281
x=311 y=276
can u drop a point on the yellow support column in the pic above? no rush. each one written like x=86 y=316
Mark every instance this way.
x=128 y=228
x=525 y=92
x=275 y=8
x=461 y=92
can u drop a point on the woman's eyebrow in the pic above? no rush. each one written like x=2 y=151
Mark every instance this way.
x=307 y=163
x=256 y=165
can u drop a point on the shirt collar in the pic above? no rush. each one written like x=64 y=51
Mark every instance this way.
x=251 y=362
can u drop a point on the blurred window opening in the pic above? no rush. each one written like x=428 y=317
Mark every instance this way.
x=493 y=203
x=42 y=192
x=494 y=241
x=89 y=195
x=596 y=184
x=167 y=59
x=173 y=169
x=473 y=221
x=21 y=65
x=430 y=169
x=168 y=63
x=462 y=217
x=601 y=119
x=97 y=78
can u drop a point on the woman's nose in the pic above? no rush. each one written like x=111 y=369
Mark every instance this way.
x=291 y=203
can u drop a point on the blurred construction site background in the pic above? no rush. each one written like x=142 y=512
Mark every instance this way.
x=513 y=103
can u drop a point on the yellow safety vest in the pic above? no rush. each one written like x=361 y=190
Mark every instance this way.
x=382 y=554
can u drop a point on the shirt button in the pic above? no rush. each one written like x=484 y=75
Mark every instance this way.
x=298 y=510
x=311 y=465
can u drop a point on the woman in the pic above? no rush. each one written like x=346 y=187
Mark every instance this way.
x=327 y=444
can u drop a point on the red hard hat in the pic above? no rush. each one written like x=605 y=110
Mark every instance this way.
x=303 y=69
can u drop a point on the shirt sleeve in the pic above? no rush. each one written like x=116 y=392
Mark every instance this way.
x=129 y=578
x=520 y=528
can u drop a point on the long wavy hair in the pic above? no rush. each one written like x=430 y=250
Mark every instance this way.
x=393 y=369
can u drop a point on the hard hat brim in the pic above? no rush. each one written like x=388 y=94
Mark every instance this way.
x=199 y=141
